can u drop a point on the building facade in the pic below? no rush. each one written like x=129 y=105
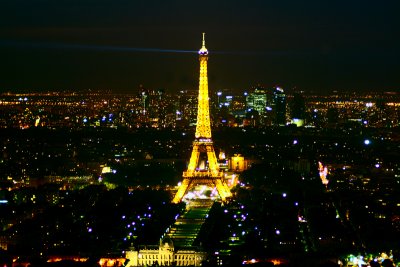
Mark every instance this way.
x=164 y=255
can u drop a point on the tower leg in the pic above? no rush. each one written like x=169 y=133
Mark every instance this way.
x=194 y=158
x=223 y=189
x=212 y=160
x=181 y=191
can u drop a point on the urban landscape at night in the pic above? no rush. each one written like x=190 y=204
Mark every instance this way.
x=314 y=178
x=281 y=150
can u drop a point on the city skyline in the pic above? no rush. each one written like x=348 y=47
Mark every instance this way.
x=118 y=46
x=275 y=176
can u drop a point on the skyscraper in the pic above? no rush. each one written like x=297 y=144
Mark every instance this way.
x=259 y=103
x=280 y=106
x=298 y=110
x=257 y=100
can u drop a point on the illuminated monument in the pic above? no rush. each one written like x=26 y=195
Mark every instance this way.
x=203 y=166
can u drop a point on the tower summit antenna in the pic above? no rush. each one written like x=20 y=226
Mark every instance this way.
x=203 y=50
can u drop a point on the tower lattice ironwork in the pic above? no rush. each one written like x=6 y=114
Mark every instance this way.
x=203 y=166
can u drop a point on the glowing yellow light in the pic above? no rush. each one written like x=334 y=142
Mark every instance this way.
x=210 y=174
x=323 y=172
x=106 y=169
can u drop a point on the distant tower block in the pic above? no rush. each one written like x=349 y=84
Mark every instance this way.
x=197 y=172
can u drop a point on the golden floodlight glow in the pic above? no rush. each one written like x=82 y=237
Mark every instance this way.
x=199 y=172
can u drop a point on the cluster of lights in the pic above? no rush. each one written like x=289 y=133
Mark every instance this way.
x=323 y=172
x=363 y=260
x=103 y=118
x=200 y=192
x=136 y=225
x=237 y=232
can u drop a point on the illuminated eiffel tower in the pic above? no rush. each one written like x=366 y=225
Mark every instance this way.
x=203 y=166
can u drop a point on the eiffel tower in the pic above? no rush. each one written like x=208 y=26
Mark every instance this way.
x=203 y=166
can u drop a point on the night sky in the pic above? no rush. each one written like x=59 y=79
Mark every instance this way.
x=118 y=45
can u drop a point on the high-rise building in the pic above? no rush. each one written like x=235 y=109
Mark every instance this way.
x=280 y=106
x=257 y=100
x=144 y=101
x=259 y=103
x=298 y=110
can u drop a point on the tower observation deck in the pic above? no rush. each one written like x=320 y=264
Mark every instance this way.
x=203 y=166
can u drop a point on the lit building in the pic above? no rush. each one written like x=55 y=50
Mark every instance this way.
x=260 y=105
x=144 y=101
x=164 y=255
x=298 y=110
x=178 y=245
x=237 y=163
x=280 y=106
x=257 y=100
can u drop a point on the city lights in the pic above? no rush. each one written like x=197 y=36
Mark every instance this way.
x=201 y=174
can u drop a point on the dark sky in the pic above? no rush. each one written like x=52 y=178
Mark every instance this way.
x=311 y=45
